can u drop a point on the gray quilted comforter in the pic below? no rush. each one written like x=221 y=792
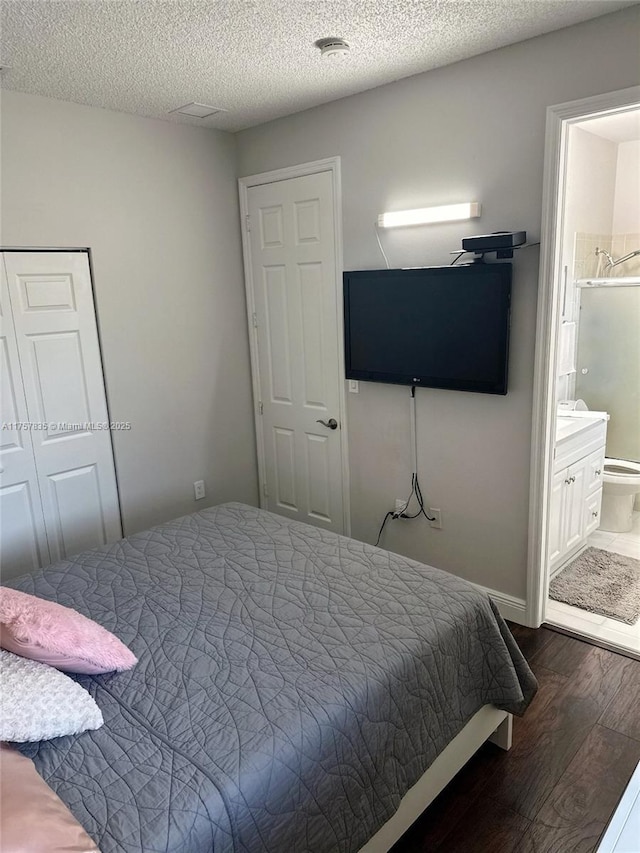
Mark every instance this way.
x=292 y=684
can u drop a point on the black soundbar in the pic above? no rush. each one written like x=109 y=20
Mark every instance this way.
x=494 y=242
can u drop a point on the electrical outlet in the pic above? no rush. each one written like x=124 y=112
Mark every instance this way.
x=354 y=387
x=436 y=515
x=400 y=504
x=199 y=490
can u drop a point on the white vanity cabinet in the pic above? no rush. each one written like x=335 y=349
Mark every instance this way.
x=577 y=485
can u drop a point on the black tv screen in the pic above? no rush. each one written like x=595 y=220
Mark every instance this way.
x=439 y=327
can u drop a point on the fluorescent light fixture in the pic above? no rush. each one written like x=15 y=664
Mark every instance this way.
x=428 y=215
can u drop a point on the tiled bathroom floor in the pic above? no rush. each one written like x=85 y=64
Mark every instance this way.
x=619 y=543
x=604 y=630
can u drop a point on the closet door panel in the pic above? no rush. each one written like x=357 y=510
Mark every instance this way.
x=56 y=355
x=77 y=508
x=57 y=338
x=23 y=542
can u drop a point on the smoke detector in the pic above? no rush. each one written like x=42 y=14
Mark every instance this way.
x=332 y=47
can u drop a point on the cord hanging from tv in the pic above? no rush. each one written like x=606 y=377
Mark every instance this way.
x=434 y=327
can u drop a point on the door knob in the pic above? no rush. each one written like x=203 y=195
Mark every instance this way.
x=332 y=423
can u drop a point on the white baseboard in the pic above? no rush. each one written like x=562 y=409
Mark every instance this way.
x=511 y=608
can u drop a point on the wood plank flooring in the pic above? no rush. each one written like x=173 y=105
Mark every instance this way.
x=573 y=754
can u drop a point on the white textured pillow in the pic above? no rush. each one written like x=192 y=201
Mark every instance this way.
x=38 y=702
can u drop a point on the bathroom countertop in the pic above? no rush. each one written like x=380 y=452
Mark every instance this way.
x=568 y=425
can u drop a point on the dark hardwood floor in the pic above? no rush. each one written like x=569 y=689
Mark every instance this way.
x=572 y=756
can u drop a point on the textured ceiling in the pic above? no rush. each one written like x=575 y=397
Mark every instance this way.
x=254 y=58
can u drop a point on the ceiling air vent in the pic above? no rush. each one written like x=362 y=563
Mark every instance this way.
x=196 y=110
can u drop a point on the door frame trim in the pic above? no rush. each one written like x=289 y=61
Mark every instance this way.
x=559 y=118
x=332 y=165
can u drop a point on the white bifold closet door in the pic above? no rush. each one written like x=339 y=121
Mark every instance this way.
x=58 y=492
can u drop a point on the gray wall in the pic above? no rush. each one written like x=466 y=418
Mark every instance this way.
x=470 y=131
x=626 y=210
x=590 y=193
x=157 y=204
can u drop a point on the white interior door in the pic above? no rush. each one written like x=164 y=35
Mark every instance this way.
x=292 y=282
x=23 y=543
x=57 y=342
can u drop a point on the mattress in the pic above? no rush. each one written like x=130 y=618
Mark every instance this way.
x=292 y=684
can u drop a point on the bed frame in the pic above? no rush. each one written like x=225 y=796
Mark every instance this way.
x=487 y=724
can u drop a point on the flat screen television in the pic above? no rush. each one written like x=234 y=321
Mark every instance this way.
x=437 y=327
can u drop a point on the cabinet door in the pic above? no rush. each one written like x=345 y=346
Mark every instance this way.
x=574 y=505
x=592 y=506
x=556 y=517
x=594 y=471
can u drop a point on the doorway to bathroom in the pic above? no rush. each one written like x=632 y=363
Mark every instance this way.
x=584 y=547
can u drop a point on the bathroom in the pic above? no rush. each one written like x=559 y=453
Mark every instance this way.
x=594 y=524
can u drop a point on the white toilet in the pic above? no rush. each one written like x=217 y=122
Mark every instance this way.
x=621 y=485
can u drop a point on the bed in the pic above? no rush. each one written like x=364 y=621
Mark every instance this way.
x=292 y=686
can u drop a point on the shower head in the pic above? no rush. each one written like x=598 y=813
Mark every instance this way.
x=607 y=256
x=610 y=260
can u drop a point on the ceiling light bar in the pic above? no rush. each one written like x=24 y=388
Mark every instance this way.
x=429 y=215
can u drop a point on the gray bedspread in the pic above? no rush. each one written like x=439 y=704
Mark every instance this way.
x=292 y=684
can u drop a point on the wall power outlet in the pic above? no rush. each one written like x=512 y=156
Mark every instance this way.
x=199 y=490
x=436 y=515
x=400 y=504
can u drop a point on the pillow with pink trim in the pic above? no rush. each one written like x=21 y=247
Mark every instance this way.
x=58 y=636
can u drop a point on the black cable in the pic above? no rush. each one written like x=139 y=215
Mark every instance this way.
x=415 y=490
x=421 y=501
x=386 y=518
x=394 y=514
x=418 y=492
x=406 y=504
x=457 y=257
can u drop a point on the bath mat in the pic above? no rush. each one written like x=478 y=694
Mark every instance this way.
x=601 y=582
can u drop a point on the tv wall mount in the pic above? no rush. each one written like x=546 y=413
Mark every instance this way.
x=503 y=243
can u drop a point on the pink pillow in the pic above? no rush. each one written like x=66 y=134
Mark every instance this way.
x=33 y=817
x=59 y=636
